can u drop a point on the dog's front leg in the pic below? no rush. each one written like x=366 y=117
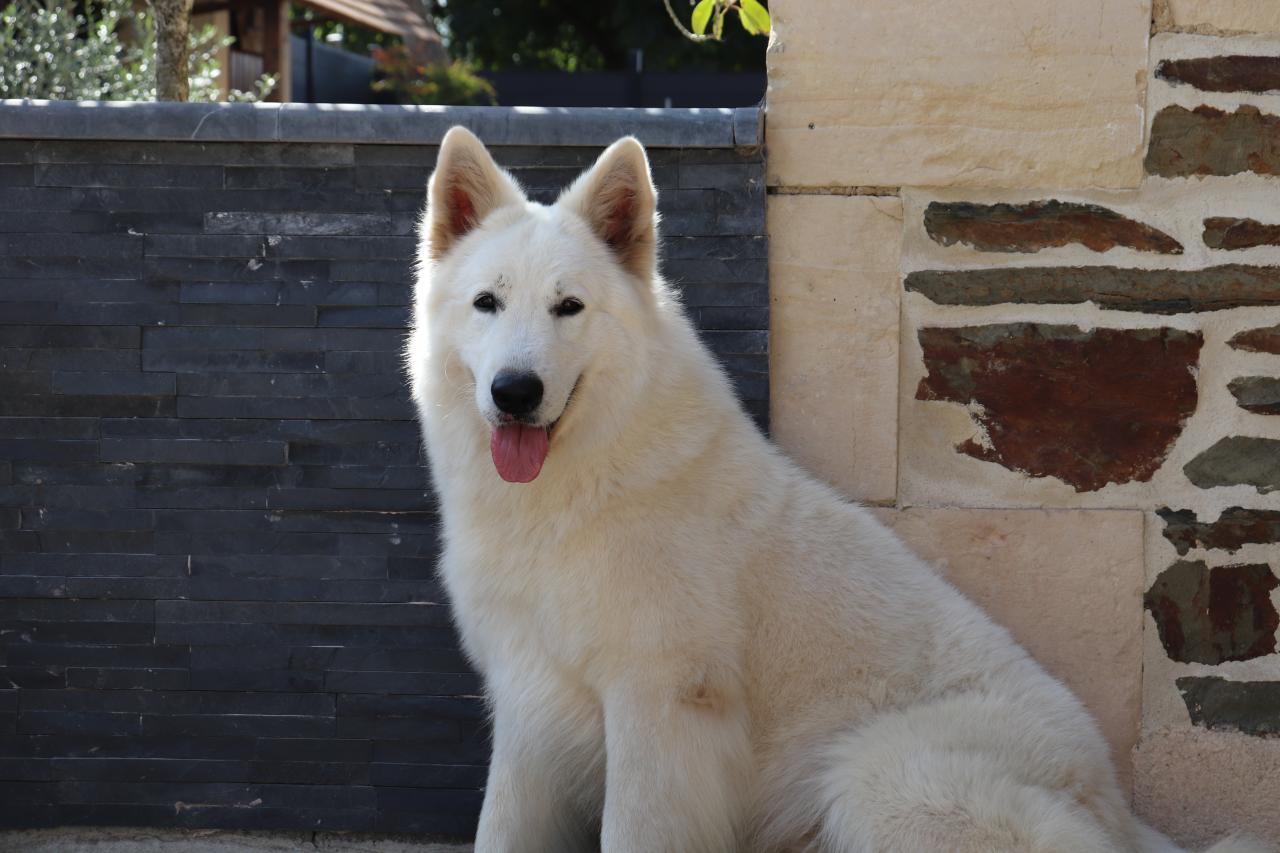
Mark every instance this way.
x=679 y=769
x=542 y=795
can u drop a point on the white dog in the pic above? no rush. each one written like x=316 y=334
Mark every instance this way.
x=688 y=644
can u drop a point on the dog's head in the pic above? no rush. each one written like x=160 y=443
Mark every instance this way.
x=530 y=307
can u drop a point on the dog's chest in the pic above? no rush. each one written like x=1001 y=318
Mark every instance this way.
x=513 y=603
x=591 y=593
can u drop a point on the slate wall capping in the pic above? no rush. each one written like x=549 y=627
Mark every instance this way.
x=748 y=127
x=381 y=124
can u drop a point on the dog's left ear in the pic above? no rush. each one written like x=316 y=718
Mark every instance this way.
x=617 y=199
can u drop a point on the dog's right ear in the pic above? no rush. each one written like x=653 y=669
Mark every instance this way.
x=465 y=188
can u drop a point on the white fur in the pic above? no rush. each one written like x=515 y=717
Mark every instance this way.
x=688 y=644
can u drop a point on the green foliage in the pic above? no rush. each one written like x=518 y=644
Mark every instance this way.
x=753 y=17
x=262 y=87
x=412 y=82
x=42 y=53
x=107 y=53
x=702 y=15
x=581 y=35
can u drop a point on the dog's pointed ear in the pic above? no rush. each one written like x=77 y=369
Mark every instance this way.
x=617 y=199
x=465 y=188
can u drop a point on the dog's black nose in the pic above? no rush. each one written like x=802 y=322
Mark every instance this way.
x=515 y=393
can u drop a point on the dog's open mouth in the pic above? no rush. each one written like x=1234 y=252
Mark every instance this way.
x=519 y=449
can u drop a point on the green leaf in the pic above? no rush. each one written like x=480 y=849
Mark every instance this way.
x=702 y=15
x=758 y=16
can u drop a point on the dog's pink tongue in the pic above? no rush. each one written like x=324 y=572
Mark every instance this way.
x=518 y=451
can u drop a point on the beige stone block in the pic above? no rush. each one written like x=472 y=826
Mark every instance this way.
x=1067 y=583
x=1219 y=16
x=964 y=93
x=1198 y=785
x=833 y=363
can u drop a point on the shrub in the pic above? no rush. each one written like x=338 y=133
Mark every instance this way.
x=108 y=53
x=412 y=82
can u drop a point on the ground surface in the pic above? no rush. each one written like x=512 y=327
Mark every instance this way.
x=114 y=840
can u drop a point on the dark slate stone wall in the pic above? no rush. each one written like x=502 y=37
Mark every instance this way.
x=217 y=599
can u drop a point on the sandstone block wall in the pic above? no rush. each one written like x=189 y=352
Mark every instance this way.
x=1085 y=424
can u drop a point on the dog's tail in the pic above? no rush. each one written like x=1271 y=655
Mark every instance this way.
x=1240 y=844
x=1153 y=842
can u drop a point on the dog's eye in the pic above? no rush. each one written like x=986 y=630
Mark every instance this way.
x=568 y=307
x=486 y=302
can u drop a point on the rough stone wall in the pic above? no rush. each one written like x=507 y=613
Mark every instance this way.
x=1085 y=421
x=217 y=598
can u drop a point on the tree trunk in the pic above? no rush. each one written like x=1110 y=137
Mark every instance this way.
x=173 y=20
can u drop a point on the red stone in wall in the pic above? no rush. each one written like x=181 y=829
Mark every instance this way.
x=1235 y=528
x=1214 y=615
x=1151 y=291
x=1230 y=232
x=1209 y=141
x=1224 y=73
x=1258 y=340
x=1087 y=407
x=1037 y=225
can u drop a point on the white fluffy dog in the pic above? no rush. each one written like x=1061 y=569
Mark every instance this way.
x=688 y=644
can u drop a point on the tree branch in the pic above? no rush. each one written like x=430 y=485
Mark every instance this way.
x=173 y=20
x=685 y=31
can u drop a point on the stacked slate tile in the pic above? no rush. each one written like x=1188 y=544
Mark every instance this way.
x=218 y=605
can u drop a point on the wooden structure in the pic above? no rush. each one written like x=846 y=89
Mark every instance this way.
x=261 y=30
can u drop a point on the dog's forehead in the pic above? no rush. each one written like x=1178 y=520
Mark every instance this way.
x=539 y=251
